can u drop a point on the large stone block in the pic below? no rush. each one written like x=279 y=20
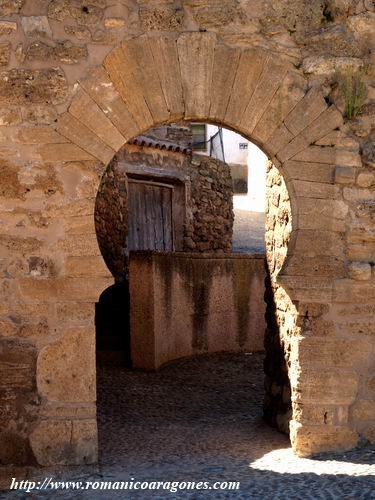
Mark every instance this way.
x=85 y=109
x=86 y=266
x=347 y=290
x=333 y=352
x=320 y=415
x=24 y=86
x=310 y=439
x=79 y=134
x=362 y=410
x=325 y=386
x=80 y=313
x=315 y=172
x=65 y=442
x=360 y=271
x=306 y=111
x=17 y=364
x=196 y=55
x=101 y=89
x=63 y=52
x=129 y=87
x=66 y=367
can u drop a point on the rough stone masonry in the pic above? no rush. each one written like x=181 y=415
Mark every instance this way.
x=80 y=78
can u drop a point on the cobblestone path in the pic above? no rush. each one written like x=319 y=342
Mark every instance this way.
x=200 y=420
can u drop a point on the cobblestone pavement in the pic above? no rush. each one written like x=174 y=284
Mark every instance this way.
x=200 y=420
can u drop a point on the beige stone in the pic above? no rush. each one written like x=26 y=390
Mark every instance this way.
x=50 y=267
x=9 y=7
x=325 y=352
x=249 y=69
x=347 y=290
x=114 y=22
x=63 y=52
x=328 y=65
x=61 y=152
x=316 y=189
x=306 y=171
x=344 y=175
x=80 y=313
x=362 y=410
x=196 y=53
x=83 y=266
x=102 y=91
x=366 y=179
x=161 y=19
x=317 y=438
x=317 y=154
x=5 y=49
x=291 y=91
x=325 y=385
x=306 y=111
x=66 y=367
x=7 y=27
x=164 y=53
x=360 y=271
x=136 y=56
x=64 y=289
x=78 y=133
x=269 y=81
x=65 y=442
x=129 y=88
x=280 y=138
x=24 y=86
x=88 y=112
x=223 y=73
x=36 y=26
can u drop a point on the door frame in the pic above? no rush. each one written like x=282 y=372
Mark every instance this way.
x=180 y=198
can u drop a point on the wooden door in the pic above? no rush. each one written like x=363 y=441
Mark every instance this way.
x=150 y=216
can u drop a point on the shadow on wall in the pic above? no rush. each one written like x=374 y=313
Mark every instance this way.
x=277 y=407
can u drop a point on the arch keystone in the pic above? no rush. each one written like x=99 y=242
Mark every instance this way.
x=196 y=56
x=165 y=57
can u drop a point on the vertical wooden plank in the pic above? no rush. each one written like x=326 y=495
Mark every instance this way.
x=142 y=218
x=166 y=204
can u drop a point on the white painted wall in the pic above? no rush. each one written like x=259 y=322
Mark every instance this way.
x=256 y=161
x=233 y=153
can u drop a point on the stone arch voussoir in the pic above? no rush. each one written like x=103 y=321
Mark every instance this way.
x=195 y=76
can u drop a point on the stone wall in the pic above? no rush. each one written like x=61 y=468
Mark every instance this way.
x=186 y=304
x=294 y=77
x=280 y=313
x=208 y=222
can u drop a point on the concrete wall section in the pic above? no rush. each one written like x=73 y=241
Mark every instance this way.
x=188 y=304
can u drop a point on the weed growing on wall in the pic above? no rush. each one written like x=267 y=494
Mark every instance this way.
x=354 y=92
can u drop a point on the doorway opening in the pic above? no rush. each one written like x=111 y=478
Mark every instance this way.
x=176 y=223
